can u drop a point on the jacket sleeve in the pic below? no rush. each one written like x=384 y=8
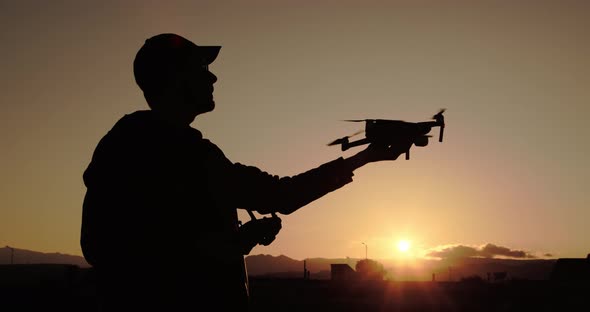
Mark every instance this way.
x=257 y=190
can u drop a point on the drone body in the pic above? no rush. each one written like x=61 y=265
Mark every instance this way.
x=389 y=132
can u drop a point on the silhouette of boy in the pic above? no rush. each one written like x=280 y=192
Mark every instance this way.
x=159 y=222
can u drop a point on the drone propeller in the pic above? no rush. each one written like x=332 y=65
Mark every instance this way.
x=338 y=141
x=345 y=139
x=356 y=133
x=439 y=113
x=355 y=120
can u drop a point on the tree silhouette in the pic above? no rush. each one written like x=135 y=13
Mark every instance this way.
x=368 y=269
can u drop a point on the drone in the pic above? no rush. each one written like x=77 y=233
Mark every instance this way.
x=389 y=132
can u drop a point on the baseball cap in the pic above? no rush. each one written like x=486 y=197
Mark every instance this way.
x=164 y=54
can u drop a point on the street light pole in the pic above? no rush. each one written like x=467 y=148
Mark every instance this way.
x=365 y=251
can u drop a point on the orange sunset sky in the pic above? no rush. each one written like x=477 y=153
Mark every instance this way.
x=513 y=75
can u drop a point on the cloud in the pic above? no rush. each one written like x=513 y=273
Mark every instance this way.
x=453 y=252
x=486 y=251
x=491 y=250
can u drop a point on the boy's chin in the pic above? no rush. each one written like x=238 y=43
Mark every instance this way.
x=205 y=107
x=210 y=106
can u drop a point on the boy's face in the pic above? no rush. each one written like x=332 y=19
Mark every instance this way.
x=196 y=88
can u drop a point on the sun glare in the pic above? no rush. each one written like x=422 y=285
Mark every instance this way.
x=403 y=245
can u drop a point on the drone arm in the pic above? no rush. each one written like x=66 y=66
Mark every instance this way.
x=346 y=146
x=439 y=123
x=429 y=123
x=440 y=120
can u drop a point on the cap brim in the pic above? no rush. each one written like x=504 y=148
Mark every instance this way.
x=208 y=54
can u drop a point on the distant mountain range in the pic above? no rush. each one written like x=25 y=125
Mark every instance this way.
x=23 y=256
x=285 y=267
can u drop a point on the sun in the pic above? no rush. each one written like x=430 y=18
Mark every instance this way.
x=403 y=245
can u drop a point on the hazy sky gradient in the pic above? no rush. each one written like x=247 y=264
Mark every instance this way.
x=515 y=79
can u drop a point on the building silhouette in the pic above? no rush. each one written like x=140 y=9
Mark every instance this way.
x=342 y=272
x=571 y=270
